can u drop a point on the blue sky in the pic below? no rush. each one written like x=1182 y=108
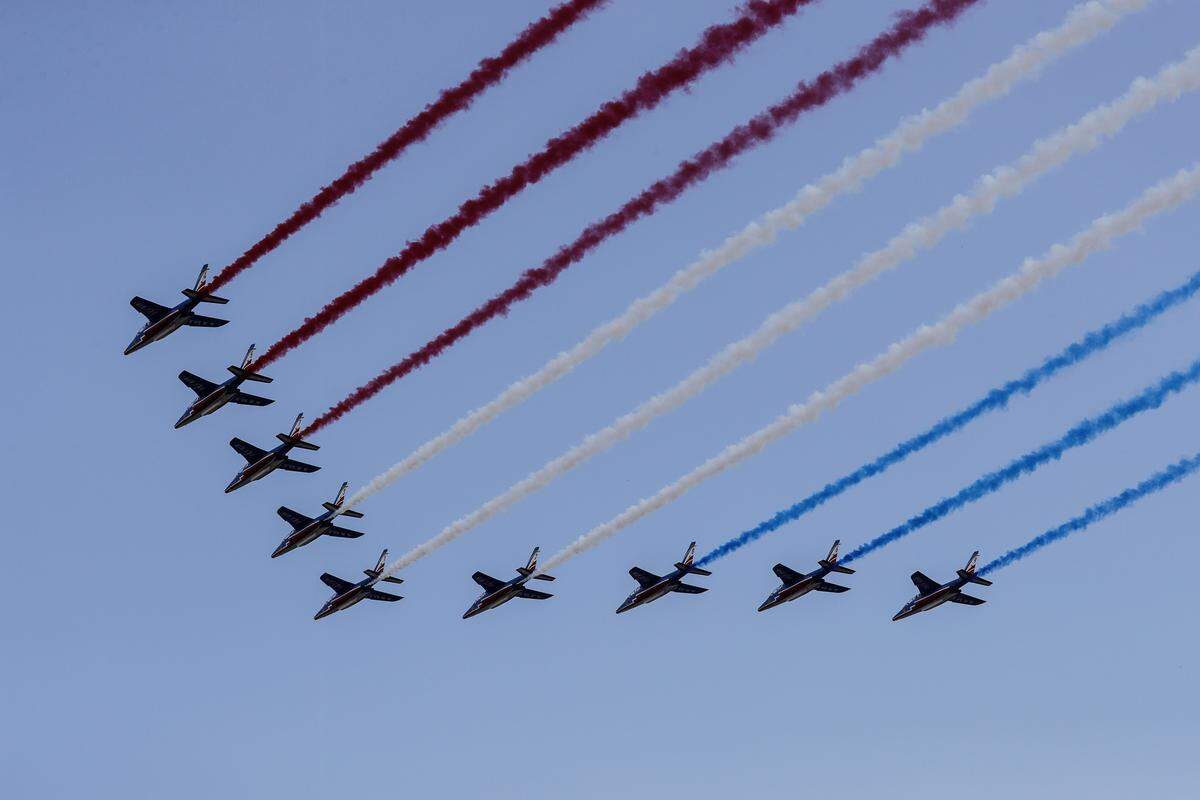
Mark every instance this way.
x=153 y=648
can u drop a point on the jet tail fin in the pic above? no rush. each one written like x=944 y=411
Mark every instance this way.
x=197 y=292
x=339 y=500
x=294 y=439
x=244 y=372
x=686 y=564
x=531 y=567
x=967 y=573
x=379 y=565
x=829 y=562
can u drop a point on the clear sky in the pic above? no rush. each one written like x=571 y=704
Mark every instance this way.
x=151 y=647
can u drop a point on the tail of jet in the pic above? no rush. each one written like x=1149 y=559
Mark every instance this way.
x=197 y=293
x=339 y=500
x=967 y=573
x=686 y=563
x=294 y=439
x=830 y=561
x=379 y=565
x=244 y=372
x=531 y=567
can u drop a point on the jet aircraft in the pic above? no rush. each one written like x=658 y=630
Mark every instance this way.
x=497 y=592
x=260 y=463
x=931 y=594
x=651 y=586
x=212 y=396
x=346 y=594
x=797 y=584
x=309 y=529
x=161 y=321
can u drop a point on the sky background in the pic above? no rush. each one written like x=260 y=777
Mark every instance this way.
x=151 y=647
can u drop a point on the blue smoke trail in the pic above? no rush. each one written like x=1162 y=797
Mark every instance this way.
x=1079 y=435
x=1157 y=482
x=994 y=400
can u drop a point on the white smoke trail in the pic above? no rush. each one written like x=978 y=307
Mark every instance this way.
x=1082 y=24
x=1099 y=235
x=1006 y=181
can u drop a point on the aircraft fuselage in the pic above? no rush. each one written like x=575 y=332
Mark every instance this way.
x=785 y=594
x=652 y=592
x=494 y=599
x=214 y=400
x=260 y=468
x=345 y=600
x=928 y=602
x=306 y=535
x=170 y=322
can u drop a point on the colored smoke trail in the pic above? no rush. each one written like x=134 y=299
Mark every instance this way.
x=488 y=73
x=717 y=46
x=1087 y=133
x=1082 y=24
x=1100 y=235
x=995 y=400
x=1077 y=436
x=1155 y=483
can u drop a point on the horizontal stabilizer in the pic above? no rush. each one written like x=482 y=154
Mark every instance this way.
x=296 y=441
x=375 y=594
x=534 y=594
x=971 y=577
x=525 y=572
x=201 y=321
x=967 y=600
x=247 y=375
x=349 y=512
x=835 y=567
x=687 y=588
x=205 y=297
x=826 y=586
x=691 y=570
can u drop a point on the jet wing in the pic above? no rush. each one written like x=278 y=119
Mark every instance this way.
x=967 y=600
x=201 y=321
x=787 y=574
x=687 y=588
x=293 y=518
x=345 y=533
x=247 y=450
x=826 y=586
x=488 y=583
x=297 y=466
x=197 y=384
x=534 y=594
x=245 y=399
x=391 y=598
x=336 y=583
x=151 y=311
x=643 y=577
x=924 y=583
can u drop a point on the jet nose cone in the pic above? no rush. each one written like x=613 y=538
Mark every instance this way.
x=472 y=611
x=283 y=548
x=184 y=420
x=233 y=484
x=324 y=612
x=133 y=347
x=899 y=616
x=768 y=603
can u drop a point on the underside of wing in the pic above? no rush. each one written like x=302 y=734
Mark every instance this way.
x=197 y=384
x=377 y=595
x=337 y=584
x=787 y=574
x=201 y=321
x=643 y=577
x=488 y=583
x=344 y=533
x=826 y=586
x=967 y=600
x=534 y=594
x=924 y=583
x=292 y=465
x=247 y=450
x=687 y=588
x=246 y=399
x=293 y=518
x=151 y=311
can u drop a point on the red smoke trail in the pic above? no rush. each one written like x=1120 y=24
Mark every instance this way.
x=910 y=28
x=717 y=45
x=489 y=72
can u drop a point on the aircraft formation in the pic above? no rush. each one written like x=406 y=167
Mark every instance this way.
x=211 y=397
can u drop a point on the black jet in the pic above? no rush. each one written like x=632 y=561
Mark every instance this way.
x=212 y=396
x=497 y=592
x=797 y=584
x=932 y=594
x=309 y=529
x=346 y=594
x=260 y=463
x=651 y=586
x=161 y=321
